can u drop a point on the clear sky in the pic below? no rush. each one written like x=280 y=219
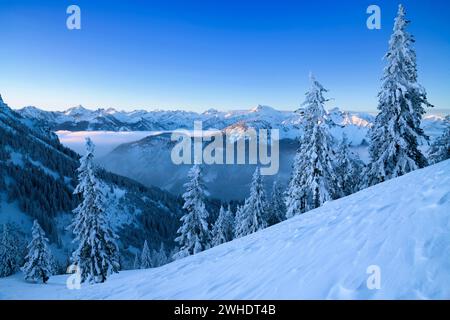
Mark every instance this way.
x=195 y=55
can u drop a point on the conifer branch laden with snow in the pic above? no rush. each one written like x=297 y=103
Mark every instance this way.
x=252 y=216
x=38 y=265
x=97 y=254
x=194 y=232
x=314 y=179
x=396 y=133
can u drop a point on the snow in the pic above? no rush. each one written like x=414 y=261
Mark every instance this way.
x=17 y=159
x=321 y=254
x=49 y=172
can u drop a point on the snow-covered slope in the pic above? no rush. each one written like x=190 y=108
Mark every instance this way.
x=402 y=226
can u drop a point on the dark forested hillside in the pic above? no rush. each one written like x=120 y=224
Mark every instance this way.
x=38 y=174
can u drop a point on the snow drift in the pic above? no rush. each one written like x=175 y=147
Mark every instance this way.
x=402 y=226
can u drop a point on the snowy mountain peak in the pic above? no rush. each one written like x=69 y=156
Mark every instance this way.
x=30 y=110
x=262 y=108
x=211 y=111
x=111 y=111
x=77 y=110
x=334 y=110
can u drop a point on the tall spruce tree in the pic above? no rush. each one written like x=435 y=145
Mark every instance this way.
x=440 y=148
x=146 y=257
x=97 y=254
x=38 y=262
x=194 y=232
x=314 y=179
x=223 y=228
x=277 y=205
x=9 y=252
x=396 y=132
x=255 y=211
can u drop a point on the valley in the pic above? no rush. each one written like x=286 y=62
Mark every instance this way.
x=145 y=155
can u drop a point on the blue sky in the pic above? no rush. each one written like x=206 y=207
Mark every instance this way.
x=197 y=55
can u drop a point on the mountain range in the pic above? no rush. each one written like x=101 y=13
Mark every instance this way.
x=82 y=119
x=148 y=161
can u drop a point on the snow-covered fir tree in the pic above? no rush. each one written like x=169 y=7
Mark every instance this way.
x=440 y=148
x=314 y=178
x=161 y=256
x=238 y=217
x=146 y=257
x=137 y=261
x=193 y=233
x=255 y=211
x=277 y=205
x=396 y=133
x=348 y=168
x=9 y=252
x=97 y=254
x=223 y=229
x=38 y=262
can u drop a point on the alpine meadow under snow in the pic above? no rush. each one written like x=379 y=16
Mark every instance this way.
x=401 y=225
